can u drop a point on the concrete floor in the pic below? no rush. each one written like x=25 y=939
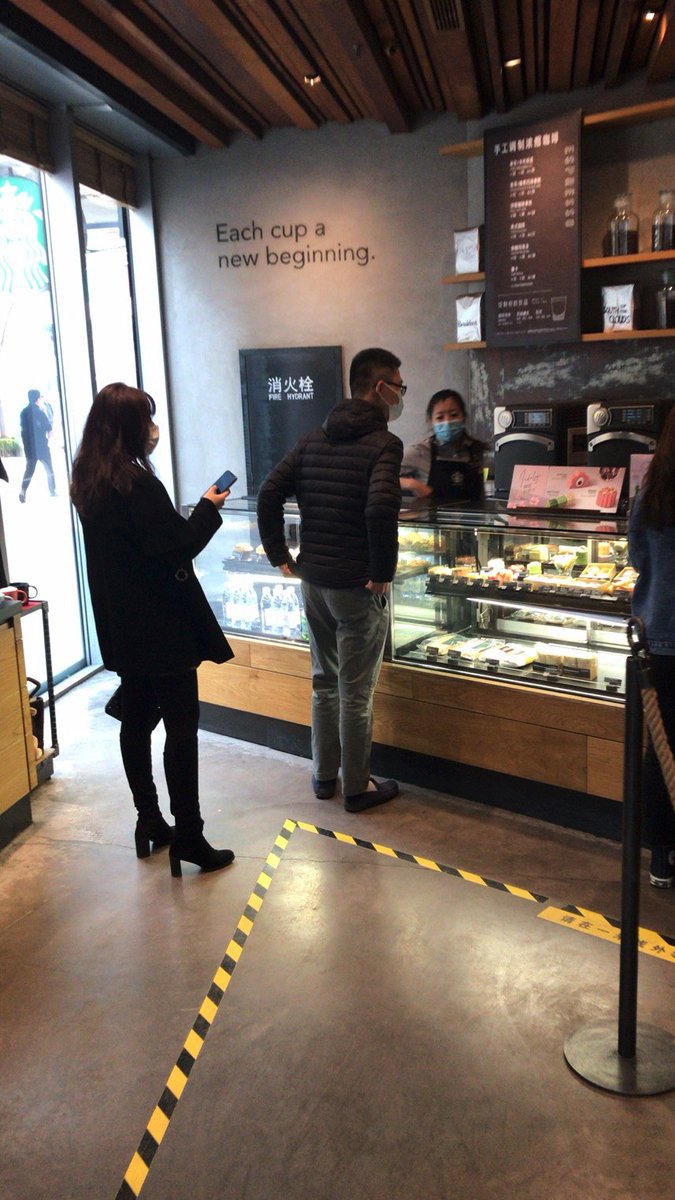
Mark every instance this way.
x=389 y=1031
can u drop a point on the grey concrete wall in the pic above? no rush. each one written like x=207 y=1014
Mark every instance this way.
x=392 y=199
x=395 y=202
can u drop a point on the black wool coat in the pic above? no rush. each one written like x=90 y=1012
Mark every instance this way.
x=345 y=477
x=152 y=617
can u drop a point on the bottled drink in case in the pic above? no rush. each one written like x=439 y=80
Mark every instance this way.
x=278 y=610
x=266 y=610
x=662 y=223
x=227 y=605
x=292 y=612
x=623 y=227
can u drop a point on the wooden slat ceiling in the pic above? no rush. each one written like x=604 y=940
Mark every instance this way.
x=197 y=71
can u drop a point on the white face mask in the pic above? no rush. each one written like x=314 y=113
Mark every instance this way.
x=153 y=437
x=395 y=410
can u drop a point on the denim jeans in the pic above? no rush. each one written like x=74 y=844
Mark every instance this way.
x=347 y=632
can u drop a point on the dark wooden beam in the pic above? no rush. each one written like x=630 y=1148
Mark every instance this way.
x=512 y=47
x=585 y=41
x=527 y=20
x=562 y=30
x=17 y=27
x=226 y=24
x=91 y=38
x=137 y=24
x=661 y=65
x=494 y=52
x=624 y=20
x=350 y=24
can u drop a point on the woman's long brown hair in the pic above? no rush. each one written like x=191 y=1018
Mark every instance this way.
x=113 y=447
x=657 y=498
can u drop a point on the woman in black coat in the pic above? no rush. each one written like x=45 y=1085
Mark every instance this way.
x=154 y=623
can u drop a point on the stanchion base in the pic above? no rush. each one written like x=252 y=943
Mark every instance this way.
x=593 y=1053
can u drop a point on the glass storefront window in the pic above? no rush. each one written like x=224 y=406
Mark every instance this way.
x=36 y=511
x=109 y=289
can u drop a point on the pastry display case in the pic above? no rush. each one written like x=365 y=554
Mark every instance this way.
x=538 y=601
x=249 y=596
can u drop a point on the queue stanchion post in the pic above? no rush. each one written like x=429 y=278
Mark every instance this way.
x=640 y=1061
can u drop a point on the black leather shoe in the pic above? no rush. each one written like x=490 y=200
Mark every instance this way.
x=386 y=790
x=324 y=789
x=152 y=829
x=197 y=850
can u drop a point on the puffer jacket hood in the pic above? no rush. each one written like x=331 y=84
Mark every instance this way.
x=351 y=420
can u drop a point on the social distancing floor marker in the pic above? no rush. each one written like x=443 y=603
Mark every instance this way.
x=580 y=919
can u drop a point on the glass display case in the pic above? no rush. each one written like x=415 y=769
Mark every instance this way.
x=248 y=595
x=541 y=601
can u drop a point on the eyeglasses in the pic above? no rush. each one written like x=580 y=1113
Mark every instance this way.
x=402 y=387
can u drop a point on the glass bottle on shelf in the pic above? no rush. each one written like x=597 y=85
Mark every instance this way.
x=662 y=222
x=665 y=299
x=623 y=227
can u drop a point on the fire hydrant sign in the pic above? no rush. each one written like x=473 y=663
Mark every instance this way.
x=567 y=489
x=533 y=246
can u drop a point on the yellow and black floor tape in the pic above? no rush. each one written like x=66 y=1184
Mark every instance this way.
x=580 y=919
x=158 y=1124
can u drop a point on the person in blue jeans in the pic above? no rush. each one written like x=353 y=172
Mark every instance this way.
x=651 y=545
x=345 y=478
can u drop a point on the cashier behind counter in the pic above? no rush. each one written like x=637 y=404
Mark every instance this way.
x=447 y=466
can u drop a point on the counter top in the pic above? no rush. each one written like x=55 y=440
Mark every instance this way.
x=9 y=609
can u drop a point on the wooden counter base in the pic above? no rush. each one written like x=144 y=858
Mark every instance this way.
x=561 y=741
x=19 y=771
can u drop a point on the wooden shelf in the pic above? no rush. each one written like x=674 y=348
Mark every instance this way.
x=619 y=260
x=467 y=277
x=625 y=335
x=587 y=264
x=638 y=114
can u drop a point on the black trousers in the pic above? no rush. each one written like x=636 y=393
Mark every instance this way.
x=659 y=815
x=176 y=697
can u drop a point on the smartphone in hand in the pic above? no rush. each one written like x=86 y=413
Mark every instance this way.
x=224 y=483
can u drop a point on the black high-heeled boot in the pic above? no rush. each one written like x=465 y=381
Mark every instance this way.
x=152 y=828
x=194 y=848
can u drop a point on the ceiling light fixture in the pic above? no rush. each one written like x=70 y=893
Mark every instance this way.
x=311 y=79
x=513 y=62
x=650 y=14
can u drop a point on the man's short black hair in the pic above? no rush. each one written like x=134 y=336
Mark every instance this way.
x=33 y=395
x=367 y=365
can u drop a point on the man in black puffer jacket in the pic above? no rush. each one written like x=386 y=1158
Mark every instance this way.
x=345 y=478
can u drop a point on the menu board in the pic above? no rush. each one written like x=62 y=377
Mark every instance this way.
x=533 y=248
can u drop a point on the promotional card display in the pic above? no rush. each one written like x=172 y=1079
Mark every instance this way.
x=574 y=489
x=639 y=464
x=533 y=251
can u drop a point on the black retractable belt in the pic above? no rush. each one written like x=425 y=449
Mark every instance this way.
x=642 y=1062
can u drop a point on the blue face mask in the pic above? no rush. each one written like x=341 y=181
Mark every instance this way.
x=448 y=431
